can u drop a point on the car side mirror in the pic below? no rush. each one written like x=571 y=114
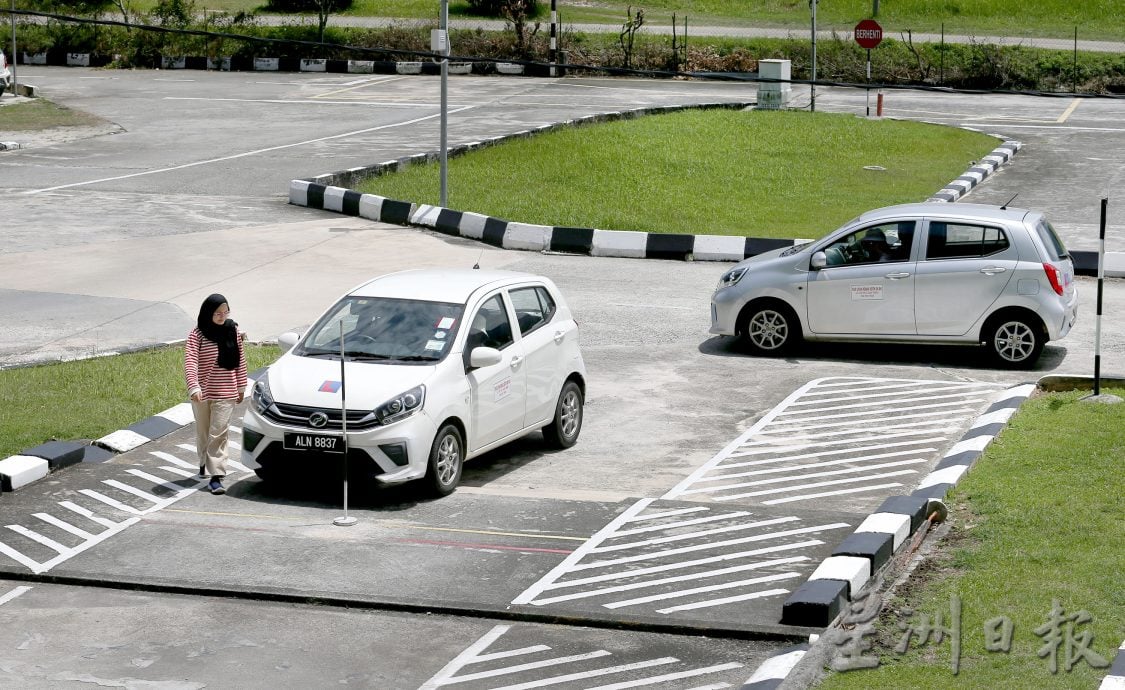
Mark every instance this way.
x=484 y=357
x=818 y=261
x=287 y=340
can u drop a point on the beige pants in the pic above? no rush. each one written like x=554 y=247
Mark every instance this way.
x=212 y=427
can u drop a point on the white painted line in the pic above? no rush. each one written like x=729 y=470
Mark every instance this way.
x=514 y=652
x=32 y=565
x=110 y=502
x=536 y=589
x=35 y=536
x=897 y=409
x=238 y=466
x=63 y=525
x=168 y=457
x=806 y=497
x=244 y=154
x=528 y=666
x=764 y=448
x=694 y=535
x=792 y=468
x=689 y=564
x=104 y=522
x=714 y=686
x=949 y=475
x=701 y=590
x=777 y=666
x=813 y=475
x=1057 y=127
x=591 y=674
x=713 y=545
x=828 y=453
x=725 y=600
x=682 y=523
x=467 y=656
x=977 y=443
x=667 y=513
x=182 y=472
x=132 y=490
x=816 y=485
x=157 y=481
x=674 y=676
x=897 y=396
x=669 y=580
x=943 y=415
x=13 y=594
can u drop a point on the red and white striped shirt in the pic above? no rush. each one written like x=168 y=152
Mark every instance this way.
x=205 y=376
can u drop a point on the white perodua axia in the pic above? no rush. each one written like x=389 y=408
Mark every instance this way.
x=437 y=366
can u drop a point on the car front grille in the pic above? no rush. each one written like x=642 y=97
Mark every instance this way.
x=299 y=415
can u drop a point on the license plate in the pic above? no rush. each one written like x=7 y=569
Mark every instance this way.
x=315 y=442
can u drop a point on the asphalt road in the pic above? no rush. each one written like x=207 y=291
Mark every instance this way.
x=112 y=242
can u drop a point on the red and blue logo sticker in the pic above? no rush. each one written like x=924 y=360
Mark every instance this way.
x=330 y=387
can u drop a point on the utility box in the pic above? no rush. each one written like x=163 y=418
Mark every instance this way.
x=773 y=95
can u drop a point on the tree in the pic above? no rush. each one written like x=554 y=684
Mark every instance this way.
x=323 y=9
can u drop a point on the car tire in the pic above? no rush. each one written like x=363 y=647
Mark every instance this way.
x=769 y=328
x=563 y=430
x=1014 y=342
x=447 y=456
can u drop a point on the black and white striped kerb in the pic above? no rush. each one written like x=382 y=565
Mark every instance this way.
x=841 y=576
x=775 y=669
x=1115 y=679
x=976 y=174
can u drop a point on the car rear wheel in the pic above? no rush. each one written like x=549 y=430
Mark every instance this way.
x=1015 y=342
x=770 y=329
x=563 y=431
x=447 y=455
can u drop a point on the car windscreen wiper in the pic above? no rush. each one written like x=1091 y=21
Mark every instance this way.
x=318 y=353
x=417 y=358
x=365 y=356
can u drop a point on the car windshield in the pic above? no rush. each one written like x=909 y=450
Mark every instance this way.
x=382 y=329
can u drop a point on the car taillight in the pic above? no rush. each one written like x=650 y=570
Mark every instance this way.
x=1054 y=277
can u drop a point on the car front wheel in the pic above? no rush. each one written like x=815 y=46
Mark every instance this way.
x=446 y=457
x=770 y=329
x=1014 y=342
x=563 y=430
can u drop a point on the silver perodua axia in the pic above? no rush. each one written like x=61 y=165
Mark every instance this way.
x=927 y=273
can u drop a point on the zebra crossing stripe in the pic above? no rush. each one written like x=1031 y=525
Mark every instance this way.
x=35 y=536
x=700 y=590
x=591 y=674
x=157 y=481
x=13 y=594
x=110 y=501
x=29 y=563
x=675 y=676
x=823 y=494
x=814 y=485
x=65 y=526
x=941 y=417
x=723 y=601
x=682 y=523
x=513 y=652
x=528 y=666
x=467 y=656
x=693 y=535
x=132 y=490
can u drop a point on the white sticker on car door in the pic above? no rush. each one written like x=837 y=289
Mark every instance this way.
x=503 y=389
x=866 y=292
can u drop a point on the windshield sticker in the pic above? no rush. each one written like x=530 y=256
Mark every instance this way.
x=446 y=323
x=440 y=335
x=503 y=389
x=867 y=292
x=435 y=344
x=330 y=387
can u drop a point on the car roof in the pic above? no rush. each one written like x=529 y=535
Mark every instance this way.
x=455 y=285
x=948 y=210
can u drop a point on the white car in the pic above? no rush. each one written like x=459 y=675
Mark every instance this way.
x=439 y=366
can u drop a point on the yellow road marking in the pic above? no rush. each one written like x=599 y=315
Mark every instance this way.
x=387 y=524
x=1070 y=109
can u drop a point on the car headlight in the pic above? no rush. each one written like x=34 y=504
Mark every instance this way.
x=401 y=406
x=261 y=396
x=731 y=277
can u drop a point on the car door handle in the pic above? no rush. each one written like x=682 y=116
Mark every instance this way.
x=992 y=270
x=896 y=276
x=559 y=335
x=516 y=362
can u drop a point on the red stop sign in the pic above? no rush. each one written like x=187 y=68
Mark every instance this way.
x=868 y=33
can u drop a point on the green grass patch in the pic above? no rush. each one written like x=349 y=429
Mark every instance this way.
x=87 y=399
x=1040 y=517
x=752 y=173
x=39 y=114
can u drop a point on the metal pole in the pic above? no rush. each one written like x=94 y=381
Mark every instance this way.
x=15 y=80
x=1098 y=318
x=344 y=521
x=1075 y=72
x=812 y=85
x=868 y=89
x=941 y=74
x=444 y=105
x=553 y=57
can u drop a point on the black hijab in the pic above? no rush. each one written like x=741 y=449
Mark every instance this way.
x=225 y=336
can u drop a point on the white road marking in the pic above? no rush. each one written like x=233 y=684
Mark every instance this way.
x=132 y=490
x=592 y=674
x=110 y=501
x=682 y=523
x=725 y=600
x=63 y=525
x=87 y=514
x=805 y=497
x=513 y=652
x=816 y=485
x=698 y=590
x=674 y=676
x=667 y=513
x=35 y=536
x=694 y=535
x=802 y=477
x=527 y=667
x=13 y=594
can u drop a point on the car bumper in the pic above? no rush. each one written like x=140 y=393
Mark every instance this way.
x=725 y=305
x=389 y=455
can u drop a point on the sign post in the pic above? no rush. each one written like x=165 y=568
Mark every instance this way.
x=868 y=34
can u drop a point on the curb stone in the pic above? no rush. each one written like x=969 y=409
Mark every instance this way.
x=774 y=670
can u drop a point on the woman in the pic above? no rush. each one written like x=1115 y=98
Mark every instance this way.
x=215 y=369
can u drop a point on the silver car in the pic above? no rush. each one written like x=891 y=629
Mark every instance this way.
x=933 y=273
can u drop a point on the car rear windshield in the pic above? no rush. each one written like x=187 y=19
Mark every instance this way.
x=1050 y=239
x=381 y=329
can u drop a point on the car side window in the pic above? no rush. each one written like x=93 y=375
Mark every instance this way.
x=959 y=241
x=534 y=307
x=888 y=242
x=490 y=326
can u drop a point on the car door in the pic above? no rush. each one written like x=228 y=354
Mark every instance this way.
x=867 y=288
x=965 y=269
x=497 y=392
x=544 y=348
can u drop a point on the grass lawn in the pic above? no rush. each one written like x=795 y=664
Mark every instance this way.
x=751 y=173
x=1095 y=19
x=74 y=401
x=1040 y=517
x=39 y=114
